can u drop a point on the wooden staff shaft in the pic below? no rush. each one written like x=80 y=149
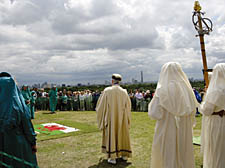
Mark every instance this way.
x=202 y=43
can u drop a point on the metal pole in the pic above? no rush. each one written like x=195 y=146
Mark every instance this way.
x=201 y=32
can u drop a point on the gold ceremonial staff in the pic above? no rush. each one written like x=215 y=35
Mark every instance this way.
x=203 y=26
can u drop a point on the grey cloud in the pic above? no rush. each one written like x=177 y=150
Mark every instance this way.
x=24 y=12
x=184 y=39
x=132 y=40
x=103 y=8
x=5 y=39
x=82 y=20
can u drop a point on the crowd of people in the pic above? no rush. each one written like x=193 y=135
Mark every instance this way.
x=67 y=100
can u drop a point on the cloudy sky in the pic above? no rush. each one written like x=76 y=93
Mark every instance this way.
x=73 y=41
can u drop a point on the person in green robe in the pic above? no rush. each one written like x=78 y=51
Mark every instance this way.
x=27 y=96
x=36 y=98
x=32 y=103
x=53 y=99
x=17 y=136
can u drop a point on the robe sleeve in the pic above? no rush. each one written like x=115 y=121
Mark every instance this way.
x=101 y=110
x=50 y=93
x=154 y=109
x=207 y=108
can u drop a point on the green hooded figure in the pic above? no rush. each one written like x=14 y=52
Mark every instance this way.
x=53 y=99
x=27 y=97
x=17 y=136
x=32 y=103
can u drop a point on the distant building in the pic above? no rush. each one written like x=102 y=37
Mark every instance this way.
x=107 y=82
x=142 y=78
x=46 y=85
x=52 y=85
x=134 y=81
x=36 y=85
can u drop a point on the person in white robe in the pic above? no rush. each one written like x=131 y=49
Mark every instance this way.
x=213 y=120
x=114 y=118
x=173 y=106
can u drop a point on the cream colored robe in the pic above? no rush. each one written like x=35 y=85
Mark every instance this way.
x=213 y=126
x=172 y=145
x=113 y=116
x=213 y=137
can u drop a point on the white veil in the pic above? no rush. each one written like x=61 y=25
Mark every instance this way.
x=174 y=91
x=216 y=91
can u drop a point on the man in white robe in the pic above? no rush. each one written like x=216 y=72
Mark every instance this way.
x=213 y=120
x=173 y=106
x=114 y=116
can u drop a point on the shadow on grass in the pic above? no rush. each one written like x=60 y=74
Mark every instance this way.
x=104 y=164
x=48 y=112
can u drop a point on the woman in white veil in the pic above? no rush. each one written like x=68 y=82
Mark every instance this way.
x=213 y=120
x=174 y=107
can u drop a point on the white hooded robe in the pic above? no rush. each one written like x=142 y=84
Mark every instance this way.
x=173 y=106
x=213 y=126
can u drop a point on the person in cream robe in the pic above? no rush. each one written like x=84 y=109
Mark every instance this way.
x=114 y=116
x=213 y=120
x=173 y=106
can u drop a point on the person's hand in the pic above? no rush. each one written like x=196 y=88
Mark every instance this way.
x=27 y=101
x=34 y=149
x=205 y=89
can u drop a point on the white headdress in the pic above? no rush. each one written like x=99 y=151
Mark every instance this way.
x=216 y=91
x=117 y=77
x=174 y=90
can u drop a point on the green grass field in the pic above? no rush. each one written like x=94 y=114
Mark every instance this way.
x=82 y=149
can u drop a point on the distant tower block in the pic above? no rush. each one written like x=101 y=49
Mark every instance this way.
x=142 y=79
